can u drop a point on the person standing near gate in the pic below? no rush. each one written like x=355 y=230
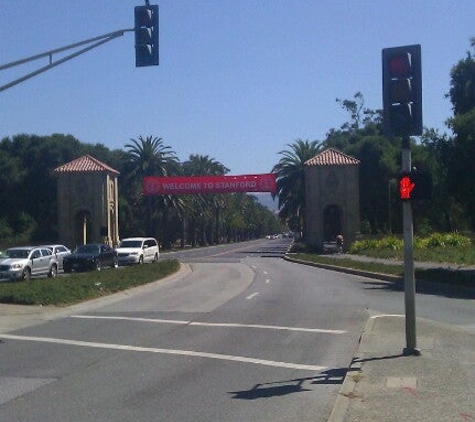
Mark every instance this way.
x=339 y=243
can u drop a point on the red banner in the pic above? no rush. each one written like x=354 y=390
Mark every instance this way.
x=179 y=185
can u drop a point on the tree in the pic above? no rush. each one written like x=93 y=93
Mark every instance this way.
x=462 y=84
x=356 y=109
x=361 y=138
x=204 y=210
x=150 y=157
x=462 y=96
x=290 y=178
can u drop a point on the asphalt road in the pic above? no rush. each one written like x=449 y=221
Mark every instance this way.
x=240 y=335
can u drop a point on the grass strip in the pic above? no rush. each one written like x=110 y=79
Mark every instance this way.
x=447 y=276
x=79 y=287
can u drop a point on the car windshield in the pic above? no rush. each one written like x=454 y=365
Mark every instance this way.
x=17 y=253
x=88 y=249
x=130 y=244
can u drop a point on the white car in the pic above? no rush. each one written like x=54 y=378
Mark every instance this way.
x=26 y=261
x=59 y=251
x=137 y=250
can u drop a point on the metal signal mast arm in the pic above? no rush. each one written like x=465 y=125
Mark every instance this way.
x=102 y=39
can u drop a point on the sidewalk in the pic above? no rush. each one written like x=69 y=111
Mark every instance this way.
x=383 y=385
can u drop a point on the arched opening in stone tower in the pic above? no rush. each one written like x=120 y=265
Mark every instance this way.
x=332 y=224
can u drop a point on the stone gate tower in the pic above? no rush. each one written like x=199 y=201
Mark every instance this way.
x=87 y=202
x=332 y=198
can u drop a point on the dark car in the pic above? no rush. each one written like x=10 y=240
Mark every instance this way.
x=91 y=256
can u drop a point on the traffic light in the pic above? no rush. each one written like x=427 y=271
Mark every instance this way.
x=414 y=185
x=402 y=91
x=146 y=35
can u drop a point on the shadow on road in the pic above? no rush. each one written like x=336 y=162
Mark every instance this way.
x=424 y=287
x=283 y=388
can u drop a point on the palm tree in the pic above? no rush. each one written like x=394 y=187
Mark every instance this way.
x=148 y=156
x=205 y=207
x=290 y=178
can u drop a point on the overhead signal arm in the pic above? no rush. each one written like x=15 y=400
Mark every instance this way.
x=97 y=41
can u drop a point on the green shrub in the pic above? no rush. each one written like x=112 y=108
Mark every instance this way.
x=360 y=246
x=456 y=239
x=392 y=243
x=420 y=243
x=447 y=239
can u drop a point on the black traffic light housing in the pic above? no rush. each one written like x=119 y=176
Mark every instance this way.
x=414 y=185
x=402 y=91
x=146 y=35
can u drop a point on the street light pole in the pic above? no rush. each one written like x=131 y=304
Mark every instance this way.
x=409 y=276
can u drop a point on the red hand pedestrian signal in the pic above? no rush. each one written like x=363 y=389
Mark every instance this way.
x=414 y=185
x=406 y=185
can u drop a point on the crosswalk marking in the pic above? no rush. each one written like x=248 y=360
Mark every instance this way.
x=212 y=324
x=192 y=353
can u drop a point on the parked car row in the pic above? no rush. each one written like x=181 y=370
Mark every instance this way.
x=21 y=263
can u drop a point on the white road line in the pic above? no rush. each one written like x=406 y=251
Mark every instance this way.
x=268 y=281
x=125 y=347
x=212 y=324
x=265 y=272
x=231 y=251
x=251 y=296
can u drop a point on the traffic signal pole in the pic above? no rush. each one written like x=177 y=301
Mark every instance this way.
x=409 y=276
x=146 y=45
x=96 y=40
x=402 y=116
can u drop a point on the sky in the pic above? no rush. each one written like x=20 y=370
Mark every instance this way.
x=238 y=81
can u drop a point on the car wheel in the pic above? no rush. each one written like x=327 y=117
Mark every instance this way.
x=98 y=265
x=53 y=272
x=26 y=275
x=141 y=260
x=115 y=263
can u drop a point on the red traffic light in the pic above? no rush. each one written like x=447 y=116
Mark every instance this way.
x=400 y=65
x=402 y=91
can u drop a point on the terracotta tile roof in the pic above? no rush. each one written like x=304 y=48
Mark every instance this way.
x=332 y=157
x=85 y=164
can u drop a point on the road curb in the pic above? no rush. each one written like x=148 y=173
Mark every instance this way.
x=348 y=388
x=352 y=271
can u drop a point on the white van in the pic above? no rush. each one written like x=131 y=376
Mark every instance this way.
x=137 y=250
